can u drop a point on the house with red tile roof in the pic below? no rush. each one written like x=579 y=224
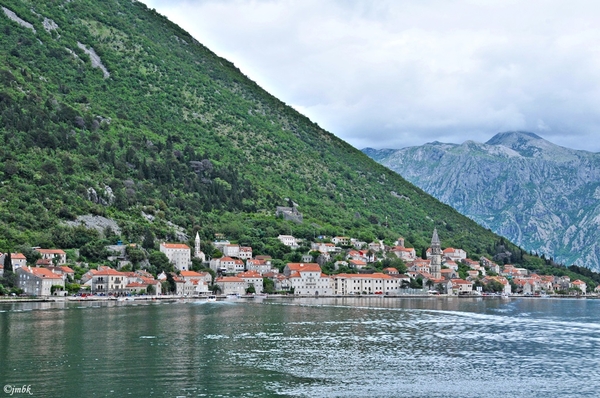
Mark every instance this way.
x=357 y=264
x=231 y=285
x=524 y=286
x=581 y=285
x=227 y=265
x=199 y=276
x=179 y=254
x=17 y=260
x=454 y=254
x=489 y=264
x=461 y=286
x=473 y=274
x=52 y=254
x=260 y=266
x=376 y=283
x=39 y=281
x=307 y=279
x=253 y=278
x=419 y=265
x=289 y=240
x=64 y=271
x=245 y=253
x=448 y=273
x=109 y=281
x=404 y=253
x=471 y=263
x=502 y=280
x=450 y=264
x=341 y=240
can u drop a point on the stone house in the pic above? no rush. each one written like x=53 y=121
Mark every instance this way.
x=39 y=281
x=109 y=281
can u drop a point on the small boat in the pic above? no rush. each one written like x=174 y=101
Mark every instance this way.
x=232 y=296
x=211 y=298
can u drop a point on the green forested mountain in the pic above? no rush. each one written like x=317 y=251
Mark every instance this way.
x=107 y=108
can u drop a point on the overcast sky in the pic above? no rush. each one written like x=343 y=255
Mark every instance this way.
x=397 y=73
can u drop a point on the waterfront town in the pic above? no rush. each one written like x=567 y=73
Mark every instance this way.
x=237 y=272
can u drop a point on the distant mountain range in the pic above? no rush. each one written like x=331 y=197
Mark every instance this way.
x=544 y=197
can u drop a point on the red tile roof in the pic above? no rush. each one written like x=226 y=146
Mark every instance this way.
x=50 y=251
x=175 y=246
x=42 y=273
x=249 y=274
x=376 y=275
x=304 y=267
x=110 y=271
x=226 y=279
x=189 y=274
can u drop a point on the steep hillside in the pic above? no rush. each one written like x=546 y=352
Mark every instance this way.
x=541 y=196
x=107 y=108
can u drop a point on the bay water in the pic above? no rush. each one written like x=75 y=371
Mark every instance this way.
x=302 y=347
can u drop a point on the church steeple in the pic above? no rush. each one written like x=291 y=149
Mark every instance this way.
x=435 y=266
x=435 y=243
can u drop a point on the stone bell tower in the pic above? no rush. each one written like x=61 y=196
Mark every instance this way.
x=436 y=256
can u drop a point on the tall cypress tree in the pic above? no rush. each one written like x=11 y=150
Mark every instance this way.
x=9 y=277
x=8 y=268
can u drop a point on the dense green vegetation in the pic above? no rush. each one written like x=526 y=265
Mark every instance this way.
x=177 y=133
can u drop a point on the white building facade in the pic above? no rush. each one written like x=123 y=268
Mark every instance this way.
x=178 y=254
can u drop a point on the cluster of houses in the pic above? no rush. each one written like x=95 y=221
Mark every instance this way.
x=238 y=271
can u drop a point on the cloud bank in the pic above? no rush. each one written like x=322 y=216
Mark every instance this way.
x=391 y=74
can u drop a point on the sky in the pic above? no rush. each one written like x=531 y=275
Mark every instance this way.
x=398 y=73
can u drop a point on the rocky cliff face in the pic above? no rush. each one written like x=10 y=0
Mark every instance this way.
x=544 y=197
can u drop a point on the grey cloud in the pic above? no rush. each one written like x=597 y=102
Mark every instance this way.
x=393 y=74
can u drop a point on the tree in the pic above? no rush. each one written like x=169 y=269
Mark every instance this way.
x=148 y=242
x=251 y=289
x=429 y=283
x=416 y=283
x=268 y=286
x=94 y=251
x=10 y=278
x=55 y=288
x=150 y=289
x=8 y=263
x=171 y=285
x=440 y=288
x=135 y=254
x=72 y=288
x=160 y=262
x=197 y=264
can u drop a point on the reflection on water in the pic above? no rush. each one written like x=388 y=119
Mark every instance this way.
x=346 y=347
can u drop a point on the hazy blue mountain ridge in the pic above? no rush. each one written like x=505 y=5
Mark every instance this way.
x=542 y=196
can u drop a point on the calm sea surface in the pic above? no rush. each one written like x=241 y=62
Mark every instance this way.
x=370 y=347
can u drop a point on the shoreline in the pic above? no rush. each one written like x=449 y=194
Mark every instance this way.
x=271 y=297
